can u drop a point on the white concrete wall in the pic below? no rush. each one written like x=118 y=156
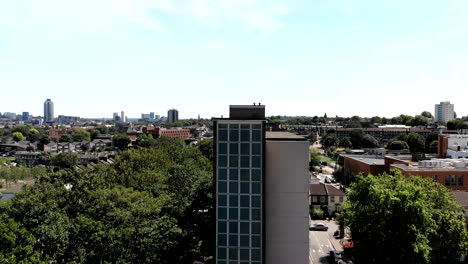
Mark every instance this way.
x=286 y=202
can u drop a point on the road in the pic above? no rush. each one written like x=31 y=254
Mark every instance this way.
x=322 y=242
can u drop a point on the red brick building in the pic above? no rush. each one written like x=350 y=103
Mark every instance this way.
x=173 y=133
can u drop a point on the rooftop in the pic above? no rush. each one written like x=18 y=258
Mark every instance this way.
x=283 y=136
x=368 y=159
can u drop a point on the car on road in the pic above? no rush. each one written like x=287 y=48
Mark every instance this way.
x=319 y=226
x=336 y=257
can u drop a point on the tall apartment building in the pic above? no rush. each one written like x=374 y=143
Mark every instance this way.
x=115 y=116
x=261 y=191
x=48 y=111
x=26 y=116
x=444 y=112
x=172 y=115
x=123 y=117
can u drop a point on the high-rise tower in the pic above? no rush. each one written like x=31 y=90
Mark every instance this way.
x=444 y=112
x=48 y=111
x=172 y=115
x=261 y=191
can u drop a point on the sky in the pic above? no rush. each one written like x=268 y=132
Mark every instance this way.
x=297 y=57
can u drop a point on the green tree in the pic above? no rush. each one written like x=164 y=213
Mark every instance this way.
x=356 y=137
x=419 y=120
x=207 y=148
x=329 y=140
x=457 y=124
x=33 y=135
x=426 y=114
x=81 y=135
x=315 y=158
x=345 y=143
x=146 y=141
x=376 y=119
x=415 y=142
x=414 y=217
x=66 y=138
x=369 y=141
x=93 y=133
x=397 y=145
x=103 y=130
x=18 y=136
x=65 y=160
x=121 y=141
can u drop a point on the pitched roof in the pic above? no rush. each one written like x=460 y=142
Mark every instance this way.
x=332 y=190
x=317 y=189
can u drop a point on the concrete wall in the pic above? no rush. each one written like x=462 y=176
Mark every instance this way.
x=286 y=202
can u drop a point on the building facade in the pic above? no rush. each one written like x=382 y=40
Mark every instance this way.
x=444 y=112
x=172 y=115
x=245 y=216
x=453 y=146
x=48 y=111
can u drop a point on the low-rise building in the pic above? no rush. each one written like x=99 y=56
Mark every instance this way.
x=326 y=197
x=173 y=133
x=453 y=146
x=28 y=158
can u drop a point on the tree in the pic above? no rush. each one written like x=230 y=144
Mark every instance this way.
x=207 y=148
x=415 y=142
x=81 y=135
x=329 y=140
x=121 y=141
x=146 y=141
x=103 y=129
x=397 y=145
x=93 y=133
x=457 y=124
x=356 y=137
x=315 y=158
x=33 y=135
x=376 y=119
x=66 y=138
x=345 y=143
x=17 y=136
x=426 y=114
x=65 y=160
x=394 y=219
x=419 y=120
x=369 y=141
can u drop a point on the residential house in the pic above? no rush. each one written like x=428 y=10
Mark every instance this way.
x=326 y=197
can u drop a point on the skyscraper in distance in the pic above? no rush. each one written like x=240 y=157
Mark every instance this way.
x=444 y=112
x=261 y=191
x=172 y=115
x=122 y=116
x=48 y=111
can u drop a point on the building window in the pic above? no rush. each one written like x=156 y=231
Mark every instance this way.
x=222 y=161
x=245 y=215
x=256 y=148
x=332 y=199
x=244 y=201
x=460 y=180
x=447 y=180
x=222 y=227
x=434 y=178
x=234 y=135
x=256 y=175
x=222 y=240
x=233 y=161
x=245 y=135
x=244 y=187
x=245 y=148
x=233 y=187
x=255 y=187
x=222 y=186
x=233 y=200
x=233 y=229
x=222 y=135
x=245 y=162
x=255 y=201
x=244 y=174
x=234 y=148
x=233 y=175
x=222 y=200
x=454 y=179
x=233 y=214
x=256 y=162
x=341 y=199
x=222 y=253
x=314 y=198
x=322 y=199
x=256 y=135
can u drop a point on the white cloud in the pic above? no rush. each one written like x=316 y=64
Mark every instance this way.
x=97 y=15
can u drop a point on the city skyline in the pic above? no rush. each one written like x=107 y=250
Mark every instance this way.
x=303 y=58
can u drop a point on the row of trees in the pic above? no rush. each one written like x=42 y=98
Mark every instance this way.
x=153 y=205
x=394 y=219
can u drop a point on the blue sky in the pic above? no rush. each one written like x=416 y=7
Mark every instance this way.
x=298 y=57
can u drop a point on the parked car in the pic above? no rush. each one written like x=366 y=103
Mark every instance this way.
x=319 y=226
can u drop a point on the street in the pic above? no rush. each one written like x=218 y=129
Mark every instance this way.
x=322 y=242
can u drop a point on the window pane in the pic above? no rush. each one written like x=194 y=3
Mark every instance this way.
x=244 y=214
x=245 y=162
x=447 y=180
x=255 y=187
x=256 y=254
x=256 y=175
x=233 y=200
x=245 y=135
x=223 y=135
x=233 y=241
x=222 y=227
x=222 y=186
x=245 y=148
x=222 y=174
x=255 y=228
x=233 y=253
x=245 y=187
x=244 y=201
x=222 y=240
x=257 y=126
x=233 y=161
x=233 y=228
x=453 y=180
x=245 y=175
x=222 y=253
x=233 y=148
x=233 y=214
x=222 y=213
x=222 y=126
x=255 y=214
x=256 y=135
x=256 y=162
x=222 y=161
x=222 y=201
x=233 y=126
x=460 y=180
x=233 y=187
x=244 y=241
x=255 y=241
x=233 y=135
x=233 y=175
x=222 y=148
x=245 y=126
x=244 y=227
x=256 y=201
x=244 y=254
x=256 y=148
